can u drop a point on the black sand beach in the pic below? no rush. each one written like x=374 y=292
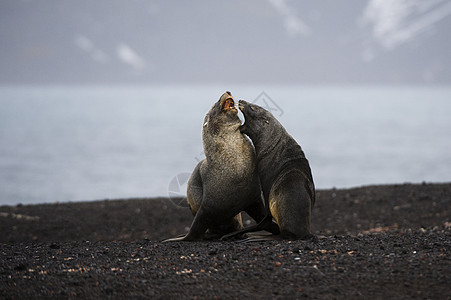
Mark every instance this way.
x=374 y=242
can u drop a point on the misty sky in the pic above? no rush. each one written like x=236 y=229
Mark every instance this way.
x=276 y=41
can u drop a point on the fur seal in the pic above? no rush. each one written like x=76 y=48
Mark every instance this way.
x=226 y=182
x=285 y=175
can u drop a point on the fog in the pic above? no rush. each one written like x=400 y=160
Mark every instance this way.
x=353 y=42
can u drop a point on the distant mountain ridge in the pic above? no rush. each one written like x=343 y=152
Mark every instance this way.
x=198 y=42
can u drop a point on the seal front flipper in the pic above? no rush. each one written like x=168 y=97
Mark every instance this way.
x=197 y=230
x=194 y=191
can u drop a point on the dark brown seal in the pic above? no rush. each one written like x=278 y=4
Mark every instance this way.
x=285 y=175
x=226 y=181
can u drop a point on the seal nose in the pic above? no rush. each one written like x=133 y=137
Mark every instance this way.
x=225 y=96
x=241 y=104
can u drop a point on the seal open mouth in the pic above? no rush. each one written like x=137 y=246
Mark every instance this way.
x=229 y=104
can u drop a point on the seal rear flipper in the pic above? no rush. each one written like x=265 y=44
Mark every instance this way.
x=267 y=224
x=257 y=210
x=261 y=215
x=259 y=237
x=225 y=227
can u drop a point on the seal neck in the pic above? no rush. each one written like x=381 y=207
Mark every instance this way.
x=262 y=148
x=224 y=148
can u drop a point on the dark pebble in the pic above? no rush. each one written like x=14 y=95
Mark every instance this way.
x=104 y=250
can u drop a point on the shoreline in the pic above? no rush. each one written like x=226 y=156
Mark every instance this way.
x=336 y=211
x=19 y=204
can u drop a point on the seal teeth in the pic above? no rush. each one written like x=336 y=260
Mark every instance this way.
x=229 y=104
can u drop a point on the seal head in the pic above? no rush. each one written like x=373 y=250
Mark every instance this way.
x=259 y=123
x=222 y=114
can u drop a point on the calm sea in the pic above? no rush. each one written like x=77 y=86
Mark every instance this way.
x=89 y=143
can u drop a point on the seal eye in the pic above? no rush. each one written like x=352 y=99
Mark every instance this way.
x=229 y=104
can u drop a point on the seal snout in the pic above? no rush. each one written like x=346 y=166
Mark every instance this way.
x=242 y=105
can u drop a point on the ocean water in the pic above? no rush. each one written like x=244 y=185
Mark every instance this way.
x=60 y=144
